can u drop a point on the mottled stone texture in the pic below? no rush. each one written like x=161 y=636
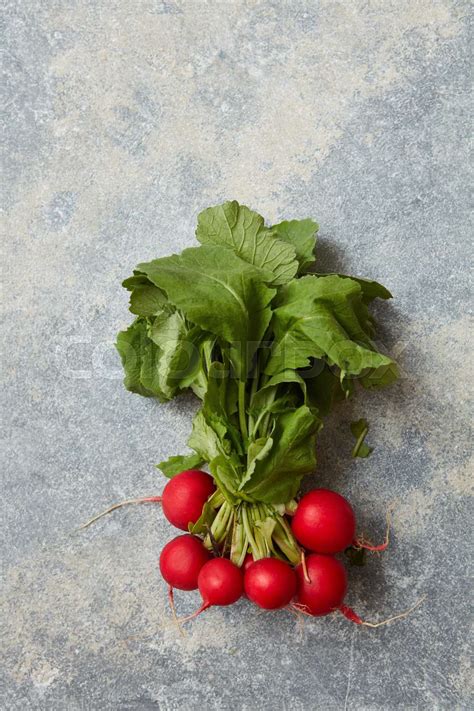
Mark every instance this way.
x=124 y=119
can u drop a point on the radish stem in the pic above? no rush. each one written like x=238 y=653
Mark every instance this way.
x=173 y=609
x=248 y=532
x=303 y=565
x=242 y=414
x=203 y=607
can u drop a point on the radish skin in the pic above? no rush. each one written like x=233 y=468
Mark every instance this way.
x=324 y=522
x=181 y=561
x=185 y=495
x=220 y=583
x=326 y=588
x=270 y=583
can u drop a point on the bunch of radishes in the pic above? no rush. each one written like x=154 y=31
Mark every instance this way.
x=323 y=524
x=269 y=347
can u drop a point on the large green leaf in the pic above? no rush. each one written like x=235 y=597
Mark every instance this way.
x=277 y=477
x=301 y=234
x=326 y=317
x=238 y=228
x=220 y=292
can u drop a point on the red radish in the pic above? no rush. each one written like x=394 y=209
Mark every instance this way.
x=183 y=499
x=220 y=583
x=185 y=495
x=181 y=561
x=327 y=585
x=324 y=522
x=270 y=583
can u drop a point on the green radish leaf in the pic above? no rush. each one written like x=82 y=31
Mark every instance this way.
x=210 y=439
x=257 y=451
x=226 y=471
x=199 y=383
x=178 y=361
x=220 y=401
x=360 y=429
x=276 y=479
x=287 y=401
x=205 y=440
x=301 y=234
x=238 y=228
x=160 y=355
x=326 y=317
x=146 y=299
x=264 y=397
x=136 y=351
x=180 y=463
x=285 y=376
x=370 y=289
x=222 y=392
x=323 y=389
x=221 y=293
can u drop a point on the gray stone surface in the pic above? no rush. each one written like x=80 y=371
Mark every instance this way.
x=124 y=119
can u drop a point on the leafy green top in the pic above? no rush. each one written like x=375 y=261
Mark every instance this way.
x=267 y=346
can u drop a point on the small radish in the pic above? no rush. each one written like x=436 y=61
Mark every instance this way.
x=324 y=522
x=220 y=582
x=270 y=583
x=324 y=589
x=181 y=561
x=183 y=499
x=185 y=495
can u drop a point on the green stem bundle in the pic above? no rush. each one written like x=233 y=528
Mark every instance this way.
x=255 y=528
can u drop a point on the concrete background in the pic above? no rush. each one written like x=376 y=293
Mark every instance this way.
x=124 y=119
